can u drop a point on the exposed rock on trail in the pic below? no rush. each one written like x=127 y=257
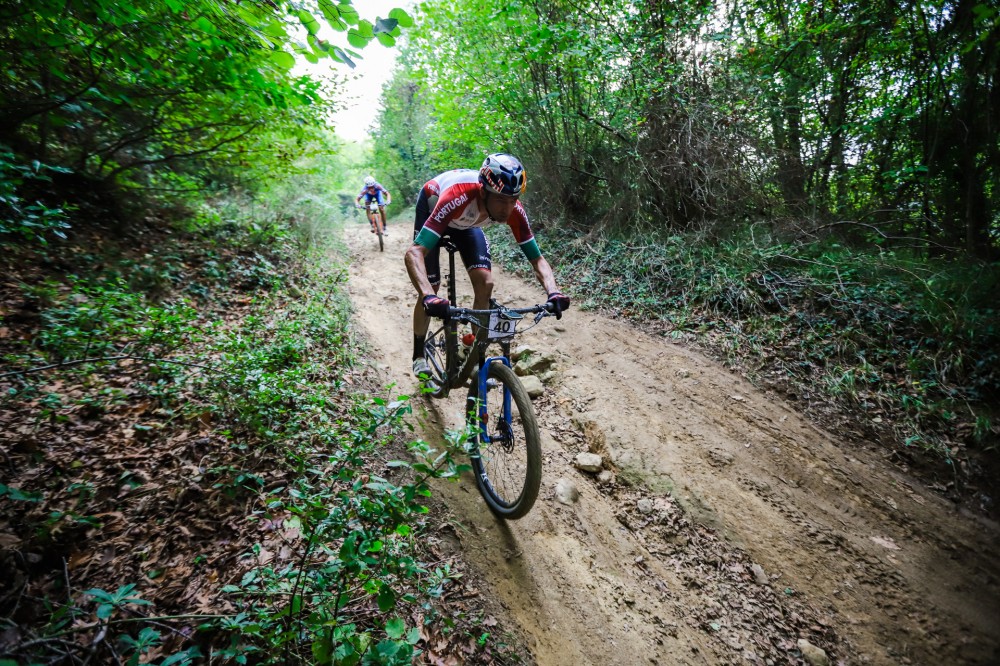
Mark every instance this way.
x=722 y=528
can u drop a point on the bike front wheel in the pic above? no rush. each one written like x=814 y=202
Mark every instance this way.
x=505 y=450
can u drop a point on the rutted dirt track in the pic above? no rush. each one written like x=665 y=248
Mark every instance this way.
x=755 y=530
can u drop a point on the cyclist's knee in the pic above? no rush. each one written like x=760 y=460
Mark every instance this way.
x=482 y=281
x=481 y=275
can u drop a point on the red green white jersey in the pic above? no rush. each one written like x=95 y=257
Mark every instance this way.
x=461 y=205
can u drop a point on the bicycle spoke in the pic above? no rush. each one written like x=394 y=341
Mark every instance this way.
x=504 y=457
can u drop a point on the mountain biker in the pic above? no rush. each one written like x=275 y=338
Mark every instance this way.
x=374 y=190
x=457 y=204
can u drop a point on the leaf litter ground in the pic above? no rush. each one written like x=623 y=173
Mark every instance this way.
x=125 y=490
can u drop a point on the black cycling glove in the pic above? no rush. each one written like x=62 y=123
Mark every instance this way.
x=557 y=303
x=435 y=306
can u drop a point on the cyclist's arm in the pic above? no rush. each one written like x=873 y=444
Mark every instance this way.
x=425 y=241
x=518 y=223
x=417 y=271
x=544 y=275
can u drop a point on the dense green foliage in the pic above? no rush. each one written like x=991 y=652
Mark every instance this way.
x=671 y=115
x=810 y=186
x=159 y=96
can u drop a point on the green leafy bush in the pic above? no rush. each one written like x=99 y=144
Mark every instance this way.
x=27 y=219
x=891 y=338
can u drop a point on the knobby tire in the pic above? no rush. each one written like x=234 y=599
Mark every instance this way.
x=436 y=356
x=508 y=469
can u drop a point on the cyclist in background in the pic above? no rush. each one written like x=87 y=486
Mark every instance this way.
x=373 y=190
x=457 y=204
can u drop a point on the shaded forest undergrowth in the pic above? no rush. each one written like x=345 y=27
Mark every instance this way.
x=195 y=469
x=886 y=350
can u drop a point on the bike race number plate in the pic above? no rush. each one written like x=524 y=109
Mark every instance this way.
x=501 y=327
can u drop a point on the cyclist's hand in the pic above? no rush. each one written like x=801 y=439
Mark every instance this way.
x=435 y=306
x=557 y=303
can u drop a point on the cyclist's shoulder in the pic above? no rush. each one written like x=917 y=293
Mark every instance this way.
x=519 y=215
x=454 y=185
x=456 y=177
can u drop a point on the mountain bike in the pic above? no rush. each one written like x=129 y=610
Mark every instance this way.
x=375 y=219
x=505 y=447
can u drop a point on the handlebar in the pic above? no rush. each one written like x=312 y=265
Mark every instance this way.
x=534 y=309
x=482 y=317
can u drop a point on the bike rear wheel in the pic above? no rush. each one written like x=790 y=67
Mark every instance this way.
x=506 y=452
x=376 y=221
x=436 y=355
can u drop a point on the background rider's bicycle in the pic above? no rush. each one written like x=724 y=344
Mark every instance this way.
x=375 y=219
x=505 y=449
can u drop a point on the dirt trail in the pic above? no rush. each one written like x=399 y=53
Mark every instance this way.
x=733 y=528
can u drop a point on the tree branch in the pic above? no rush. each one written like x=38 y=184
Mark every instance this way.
x=616 y=132
x=168 y=158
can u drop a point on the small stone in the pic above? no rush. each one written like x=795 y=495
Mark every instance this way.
x=813 y=655
x=719 y=458
x=589 y=462
x=533 y=385
x=644 y=506
x=532 y=364
x=605 y=477
x=567 y=492
x=759 y=575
